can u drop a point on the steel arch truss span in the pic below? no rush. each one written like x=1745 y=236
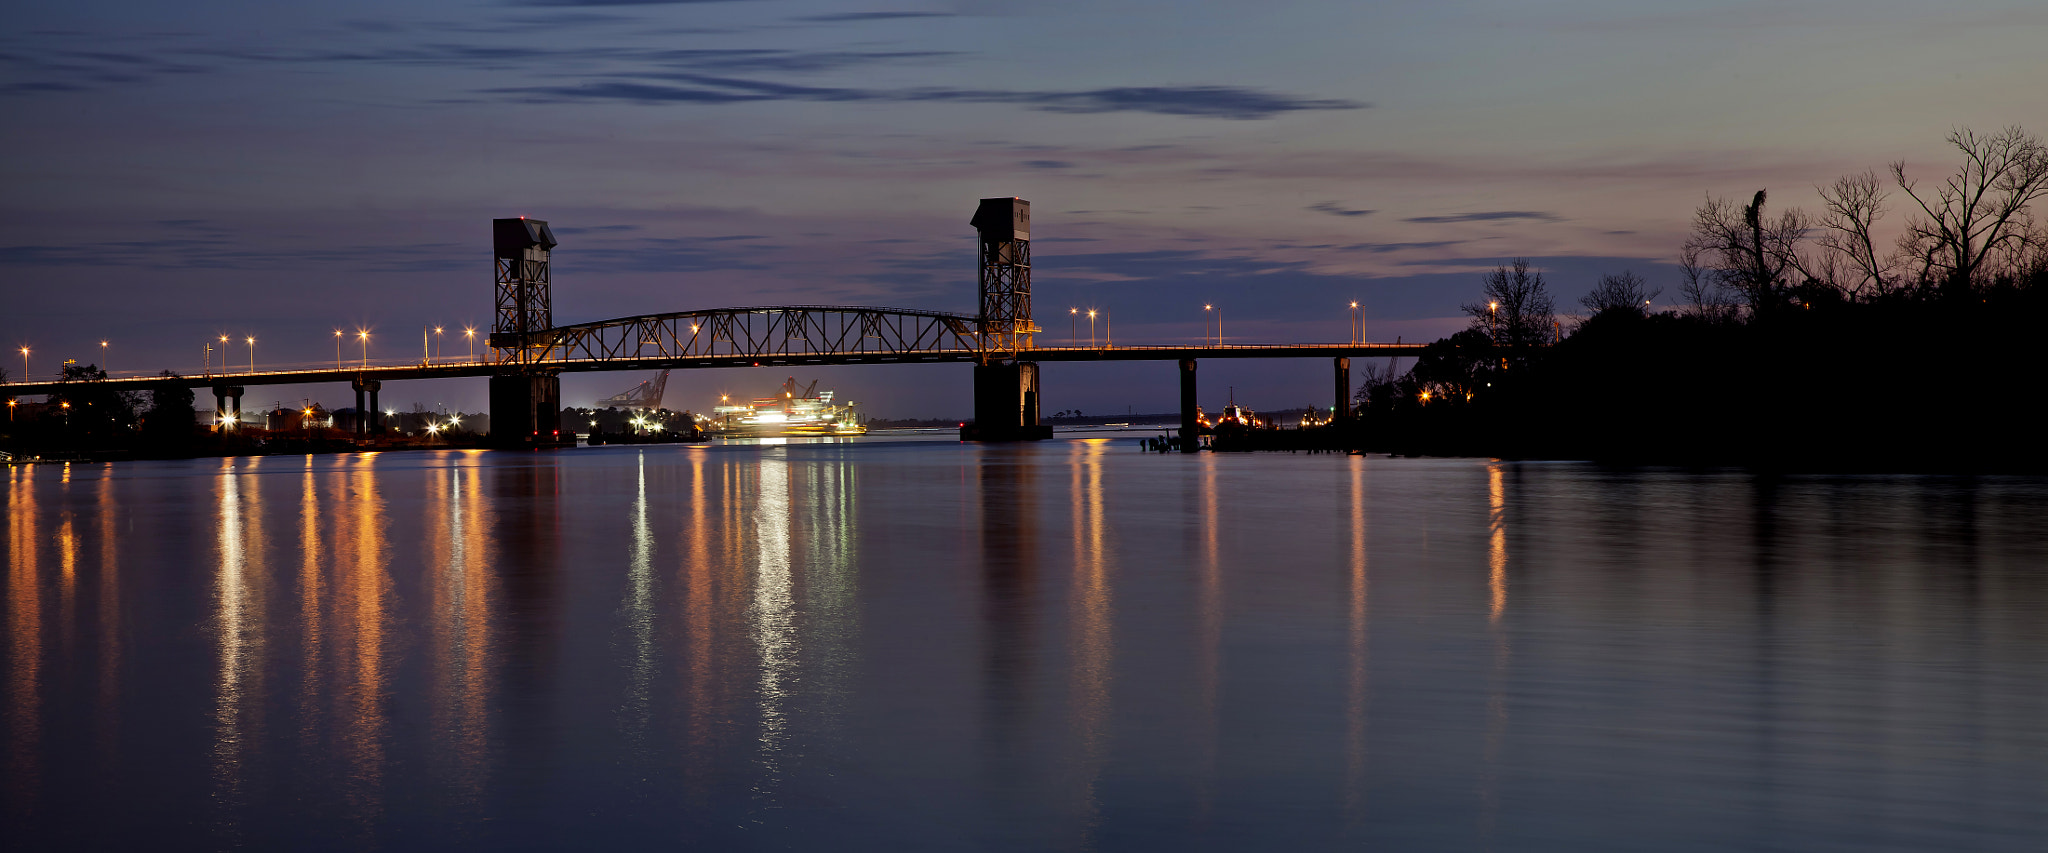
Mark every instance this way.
x=739 y=334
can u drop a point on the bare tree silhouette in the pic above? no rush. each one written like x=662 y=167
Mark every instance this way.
x=1854 y=204
x=1623 y=292
x=1741 y=249
x=1518 y=314
x=1978 y=219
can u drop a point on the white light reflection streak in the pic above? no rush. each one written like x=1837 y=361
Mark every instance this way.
x=461 y=631
x=236 y=616
x=639 y=615
x=773 y=614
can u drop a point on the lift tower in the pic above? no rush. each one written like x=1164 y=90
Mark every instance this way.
x=1005 y=388
x=526 y=399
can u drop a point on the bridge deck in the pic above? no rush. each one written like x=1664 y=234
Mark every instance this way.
x=450 y=371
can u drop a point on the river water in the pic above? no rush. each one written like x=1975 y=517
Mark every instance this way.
x=924 y=645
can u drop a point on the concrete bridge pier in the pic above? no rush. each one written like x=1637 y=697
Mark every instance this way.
x=1342 y=410
x=227 y=407
x=368 y=417
x=1190 y=428
x=526 y=411
x=1005 y=404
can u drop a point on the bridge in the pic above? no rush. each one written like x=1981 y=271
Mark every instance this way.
x=528 y=352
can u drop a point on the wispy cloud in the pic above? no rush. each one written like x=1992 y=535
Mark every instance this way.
x=1226 y=102
x=1335 y=209
x=651 y=75
x=66 y=71
x=1384 y=248
x=850 y=17
x=1488 y=216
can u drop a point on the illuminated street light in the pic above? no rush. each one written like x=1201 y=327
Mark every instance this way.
x=337 y=349
x=103 y=359
x=364 y=336
x=1205 y=325
x=1074 y=325
x=24 y=368
x=470 y=333
x=1091 y=328
x=252 y=354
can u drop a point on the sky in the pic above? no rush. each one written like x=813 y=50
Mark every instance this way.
x=175 y=172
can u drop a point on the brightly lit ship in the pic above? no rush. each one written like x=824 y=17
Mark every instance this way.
x=791 y=412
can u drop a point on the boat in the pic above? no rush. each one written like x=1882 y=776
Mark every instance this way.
x=791 y=412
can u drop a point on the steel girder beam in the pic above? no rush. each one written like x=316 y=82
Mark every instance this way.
x=742 y=333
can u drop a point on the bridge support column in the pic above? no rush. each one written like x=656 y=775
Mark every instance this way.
x=227 y=407
x=1342 y=410
x=1190 y=428
x=367 y=422
x=1005 y=404
x=526 y=411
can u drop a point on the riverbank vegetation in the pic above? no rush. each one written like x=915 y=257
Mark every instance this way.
x=1799 y=340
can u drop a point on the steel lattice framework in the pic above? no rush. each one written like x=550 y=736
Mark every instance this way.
x=1004 y=227
x=1006 y=296
x=822 y=332
x=525 y=304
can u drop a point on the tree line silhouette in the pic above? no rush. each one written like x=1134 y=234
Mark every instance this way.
x=1798 y=341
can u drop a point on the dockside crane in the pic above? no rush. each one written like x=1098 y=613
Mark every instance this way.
x=646 y=395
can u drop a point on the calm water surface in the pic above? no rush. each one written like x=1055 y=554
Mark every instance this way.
x=1070 y=645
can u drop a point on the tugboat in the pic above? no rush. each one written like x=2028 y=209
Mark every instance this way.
x=792 y=412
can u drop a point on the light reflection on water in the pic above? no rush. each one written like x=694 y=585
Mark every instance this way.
x=1069 y=645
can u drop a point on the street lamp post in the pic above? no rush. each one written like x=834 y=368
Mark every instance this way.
x=252 y=355
x=1091 y=328
x=103 y=359
x=337 y=350
x=470 y=333
x=364 y=336
x=1206 y=311
x=1357 y=323
x=24 y=365
x=1074 y=325
x=437 y=341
